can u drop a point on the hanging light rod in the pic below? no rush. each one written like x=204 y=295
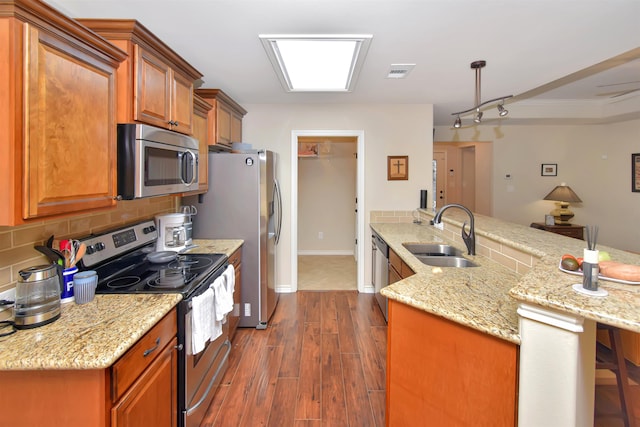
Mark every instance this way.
x=478 y=66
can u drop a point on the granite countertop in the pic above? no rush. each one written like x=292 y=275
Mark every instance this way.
x=486 y=297
x=96 y=334
x=477 y=297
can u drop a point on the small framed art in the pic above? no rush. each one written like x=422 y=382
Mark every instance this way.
x=397 y=168
x=549 y=169
x=635 y=172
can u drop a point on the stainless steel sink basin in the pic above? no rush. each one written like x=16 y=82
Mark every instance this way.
x=432 y=249
x=446 y=261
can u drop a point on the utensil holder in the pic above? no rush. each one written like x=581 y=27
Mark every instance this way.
x=590 y=270
x=67 y=294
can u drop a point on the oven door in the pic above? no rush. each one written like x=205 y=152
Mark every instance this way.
x=203 y=374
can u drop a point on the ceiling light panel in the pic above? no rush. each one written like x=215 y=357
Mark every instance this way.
x=317 y=63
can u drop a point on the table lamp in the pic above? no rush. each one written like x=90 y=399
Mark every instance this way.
x=562 y=195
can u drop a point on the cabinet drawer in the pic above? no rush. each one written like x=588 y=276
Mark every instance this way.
x=406 y=271
x=130 y=366
x=395 y=260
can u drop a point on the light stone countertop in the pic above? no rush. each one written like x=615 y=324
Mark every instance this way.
x=487 y=300
x=477 y=297
x=96 y=334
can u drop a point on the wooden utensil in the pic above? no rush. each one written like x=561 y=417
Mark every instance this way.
x=82 y=249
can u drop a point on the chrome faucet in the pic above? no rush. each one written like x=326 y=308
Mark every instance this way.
x=470 y=237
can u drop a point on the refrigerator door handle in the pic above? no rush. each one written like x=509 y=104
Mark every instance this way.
x=278 y=197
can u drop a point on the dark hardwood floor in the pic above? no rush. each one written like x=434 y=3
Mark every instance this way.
x=321 y=362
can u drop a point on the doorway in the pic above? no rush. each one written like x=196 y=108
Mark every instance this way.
x=464 y=175
x=306 y=136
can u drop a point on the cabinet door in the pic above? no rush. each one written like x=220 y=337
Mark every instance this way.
x=236 y=128
x=181 y=103
x=201 y=132
x=70 y=140
x=223 y=125
x=234 y=319
x=152 y=399
x=153 y=80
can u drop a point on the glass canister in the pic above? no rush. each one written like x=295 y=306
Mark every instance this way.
x=37 y=296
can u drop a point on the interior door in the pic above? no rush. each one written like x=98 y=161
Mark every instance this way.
x=440 y=160
x=468 y=157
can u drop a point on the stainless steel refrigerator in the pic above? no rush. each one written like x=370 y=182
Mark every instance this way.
x=243 y=202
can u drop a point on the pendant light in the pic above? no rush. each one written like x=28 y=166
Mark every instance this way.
x=477 y=117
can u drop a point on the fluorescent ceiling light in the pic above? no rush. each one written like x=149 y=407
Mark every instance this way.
x=317 y=63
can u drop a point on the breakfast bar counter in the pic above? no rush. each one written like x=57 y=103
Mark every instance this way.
x=517 y=294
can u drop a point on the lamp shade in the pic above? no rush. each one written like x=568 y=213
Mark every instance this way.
x=563 y=193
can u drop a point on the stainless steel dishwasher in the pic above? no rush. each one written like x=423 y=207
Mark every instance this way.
x=380 y=269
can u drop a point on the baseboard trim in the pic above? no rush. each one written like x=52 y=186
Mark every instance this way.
x=328 y=252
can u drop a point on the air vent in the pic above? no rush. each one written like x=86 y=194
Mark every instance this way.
x=399 y=71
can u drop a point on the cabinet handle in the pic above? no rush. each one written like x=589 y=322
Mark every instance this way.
x=152 y=349
x=178 y=347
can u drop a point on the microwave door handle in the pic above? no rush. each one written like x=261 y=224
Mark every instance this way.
x=188 y=159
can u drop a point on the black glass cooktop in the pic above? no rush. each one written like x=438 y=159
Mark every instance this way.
x=134 y=273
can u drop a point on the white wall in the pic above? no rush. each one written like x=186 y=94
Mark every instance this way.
x=326 y=200
x=388 y=130
x=594 y=160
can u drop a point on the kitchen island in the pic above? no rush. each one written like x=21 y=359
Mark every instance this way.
x=518 y=279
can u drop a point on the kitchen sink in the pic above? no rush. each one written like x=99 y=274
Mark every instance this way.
x=432 y=249
x=446 y=261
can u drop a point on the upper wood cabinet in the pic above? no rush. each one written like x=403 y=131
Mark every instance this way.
x=155 y=84
x=225 y=119
x=201 y=110
x=57 y=112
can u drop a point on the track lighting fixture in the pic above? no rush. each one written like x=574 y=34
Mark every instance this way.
x=502 y=111
x=477 y=118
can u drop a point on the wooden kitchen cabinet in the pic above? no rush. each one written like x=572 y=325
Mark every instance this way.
x=225 y=118
x=447 y=373
x=234 y=318
x=140 y=389
x=58 y=113
x=155 y=84
x=398 y=269
x=201 y=110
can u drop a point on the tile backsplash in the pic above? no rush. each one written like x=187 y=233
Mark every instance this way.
x=16 y=243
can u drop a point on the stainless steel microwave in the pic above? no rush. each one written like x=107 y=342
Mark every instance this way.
x=155 y=162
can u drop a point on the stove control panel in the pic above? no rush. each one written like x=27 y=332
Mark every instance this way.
x=111 y=244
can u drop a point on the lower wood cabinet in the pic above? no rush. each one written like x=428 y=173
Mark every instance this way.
x=441 y=373
x=140 y=389
x=234 y=318
x=398 y=269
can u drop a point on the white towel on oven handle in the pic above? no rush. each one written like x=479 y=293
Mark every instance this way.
x=202 y=316
x=223 y=287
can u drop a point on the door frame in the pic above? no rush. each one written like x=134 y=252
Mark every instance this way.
x=359 y=134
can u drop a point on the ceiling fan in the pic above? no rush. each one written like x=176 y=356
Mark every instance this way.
x=625 y=91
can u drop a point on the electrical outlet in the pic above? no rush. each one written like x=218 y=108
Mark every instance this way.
x=320 y=235
x=439 y=225
x=9 y=295
x=247 y=309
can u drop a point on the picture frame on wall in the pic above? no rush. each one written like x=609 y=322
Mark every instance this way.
x=397 y=168
x=549 y=169
x=635 y=172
